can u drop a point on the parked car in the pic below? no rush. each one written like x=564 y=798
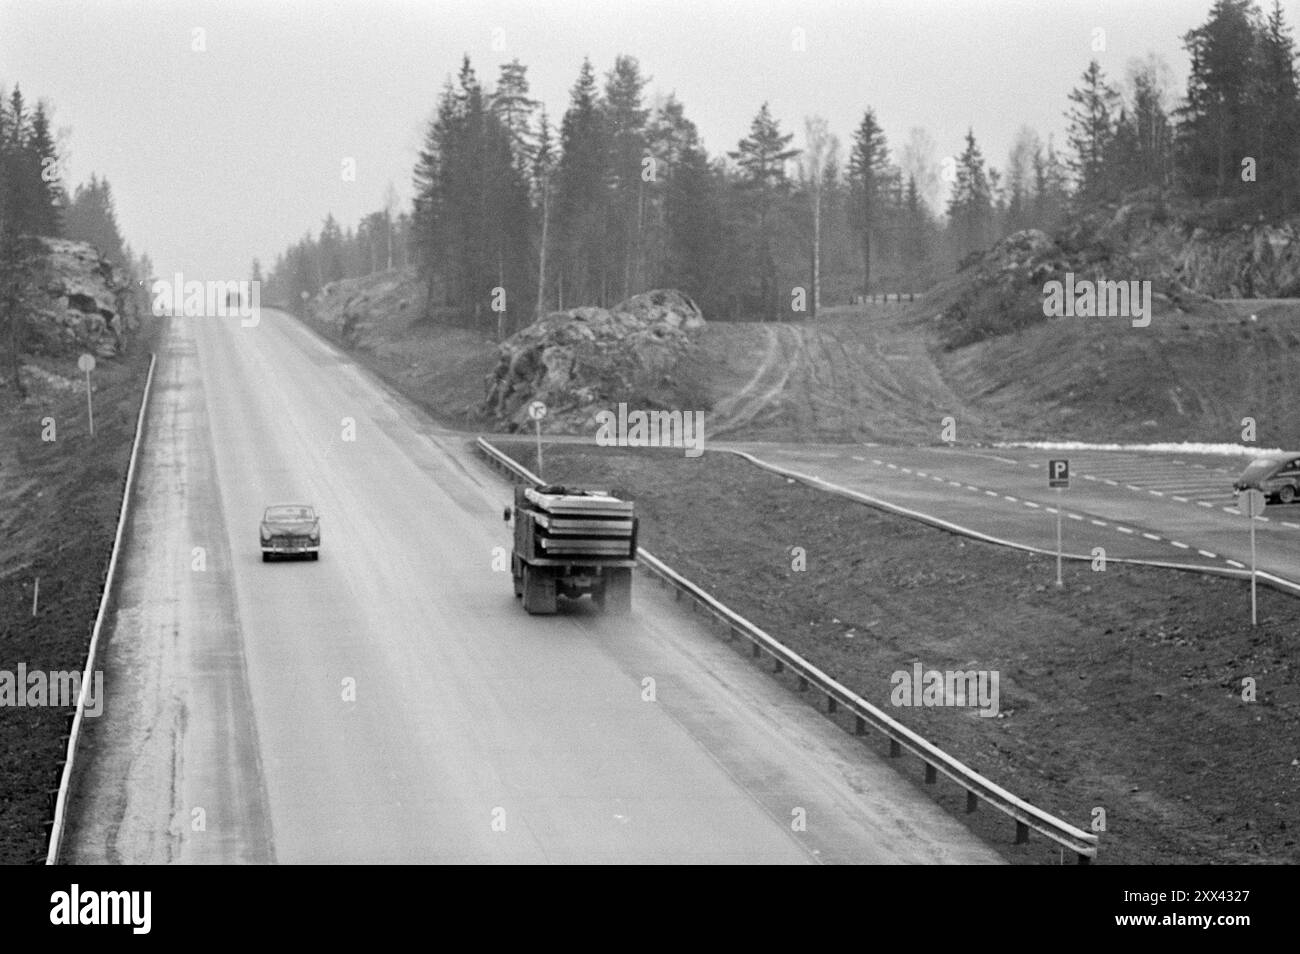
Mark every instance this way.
x=1276 y=475
x=290 y=530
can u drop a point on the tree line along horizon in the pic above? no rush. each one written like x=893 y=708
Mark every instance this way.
x=622 y=196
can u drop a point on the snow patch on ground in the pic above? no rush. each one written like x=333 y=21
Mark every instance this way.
x=1222 y=450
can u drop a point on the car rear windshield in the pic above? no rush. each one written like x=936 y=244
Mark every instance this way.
x=289 y=513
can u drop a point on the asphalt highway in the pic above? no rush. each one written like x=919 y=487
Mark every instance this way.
x=392 y=701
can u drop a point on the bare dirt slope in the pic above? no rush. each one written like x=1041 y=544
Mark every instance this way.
x=882 y=373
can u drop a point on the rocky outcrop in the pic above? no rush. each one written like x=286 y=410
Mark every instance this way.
x=584 y=359
x=82 y=302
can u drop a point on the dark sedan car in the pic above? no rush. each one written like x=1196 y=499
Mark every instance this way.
x=290 y=530
x=1276 y=475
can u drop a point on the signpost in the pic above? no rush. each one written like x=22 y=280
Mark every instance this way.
x=1251 y=503
x=537 y=411
x=1058 y=478
x=87 y=363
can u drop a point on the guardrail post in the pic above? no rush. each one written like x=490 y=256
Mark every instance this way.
x=832 y=705
x=859 y=726
x=1022 y=833
x=930 y=774
x=971 y=802
x=777 y=665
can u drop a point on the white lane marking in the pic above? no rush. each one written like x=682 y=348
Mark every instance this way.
x=1011 y=498
x=1074 y=516
x=1207 y=553
x=972 y=487
x=1124 y=529
x=936 y=477
x=1240 y=566
x=906 y=470
x=1113 y=483
x=1089 y=477
x=1155 y=492
x=991 y=493
x=1204 y=503
x=955 y=483
x=1182 y=500
x=921 y=473
x=1050 y=509
x=876 y=462
x=1293 y=526
x=892 y=466
x=1151 y=536
x=856 y=457
x=1231 y=510
x=1099 y=523
x=1133 y=487
x=1181 y=546
x=1030 y=503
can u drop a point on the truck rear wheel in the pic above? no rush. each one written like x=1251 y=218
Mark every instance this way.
x=616 y=595
x=539 y=590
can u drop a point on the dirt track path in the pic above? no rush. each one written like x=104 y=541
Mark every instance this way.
x=856 y=378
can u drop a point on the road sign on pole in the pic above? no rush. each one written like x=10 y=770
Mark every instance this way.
x=1058 y=478
x=537 y=411
x=1251 y=503
x=87 y=363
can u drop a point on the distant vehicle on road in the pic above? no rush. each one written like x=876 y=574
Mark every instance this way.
x=290 y=530
x=1277 y=476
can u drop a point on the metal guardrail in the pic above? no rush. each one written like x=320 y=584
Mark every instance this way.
x=74 y=735
x=901 y=738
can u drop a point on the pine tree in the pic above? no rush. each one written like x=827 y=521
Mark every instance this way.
x=580 y=177
x=1215 y=125
x=1091 y=132
x=1278 y=102
x=761 y=158
x=43 y=167
x=625 y=121
x=515 y=109
x=970 y=207
x=868 y=172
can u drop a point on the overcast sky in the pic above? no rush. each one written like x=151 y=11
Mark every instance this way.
x=219 y=156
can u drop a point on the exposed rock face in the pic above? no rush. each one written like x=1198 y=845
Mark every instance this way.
x=584 y=359
x=82 y=302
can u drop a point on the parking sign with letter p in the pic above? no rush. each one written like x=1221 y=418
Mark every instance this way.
x=1058 y=473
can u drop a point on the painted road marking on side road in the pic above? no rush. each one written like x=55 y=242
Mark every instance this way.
x=1207 y=553
x=1181 y=546
x=1099 y=523
x=1239 y=566
x=1182 y=500
x=1124 y=529
x=1151 y=536
x=1074 y=516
